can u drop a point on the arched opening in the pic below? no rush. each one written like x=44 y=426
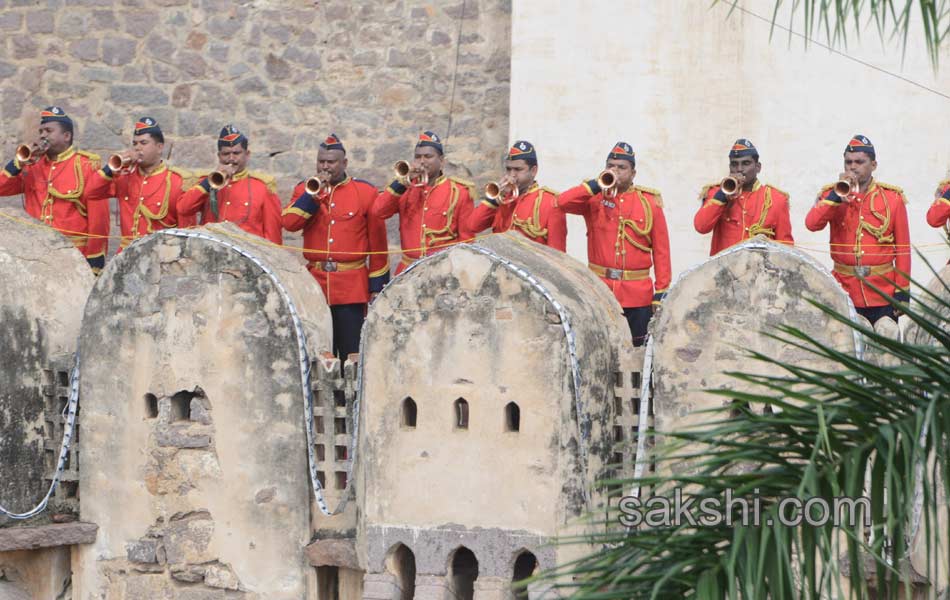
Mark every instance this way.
x=461 y=413
x=512 y=417
x=525 y=566
x=463 y=571
x=409 y=412
x=401 y=562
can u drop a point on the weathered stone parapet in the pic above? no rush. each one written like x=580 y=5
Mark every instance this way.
x=193 y=417
x=287 y=73
x=46 y=281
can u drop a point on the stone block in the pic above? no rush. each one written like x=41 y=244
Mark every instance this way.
x=143 y=551
x=11 y=21
x=24 y=46
x=118 y=51
x=7 y=70
x=333 y=553
x=86 y=49
x=188 y=573
x=181 y=96
x=188 y=539
x=47 y=536
x=222 y=576
x=105 y=20
x=40 y=21
x=140 y=22
x=276 y=67
x=177 y=437
x=141 y=95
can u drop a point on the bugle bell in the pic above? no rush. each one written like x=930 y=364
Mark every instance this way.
x=403 y=169
x=607 y=180
x=121 y=164
x=496 y=190
x=730 y=185
x=316 y=186
x=218 y=179
x=846 y=186
x=27 y=154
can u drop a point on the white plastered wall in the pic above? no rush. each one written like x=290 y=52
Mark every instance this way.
x=680 y=80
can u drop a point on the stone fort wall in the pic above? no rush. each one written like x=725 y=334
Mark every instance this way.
x=285 y=72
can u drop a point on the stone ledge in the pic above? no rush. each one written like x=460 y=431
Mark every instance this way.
x=333 y=553
x=47 y=536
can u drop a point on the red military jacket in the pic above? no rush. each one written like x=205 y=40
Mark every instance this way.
x=249 y=201
x=57 y=193
x=431 y=217
x=147 y=201
x=939 y=211
x=535 y=215
x=626 y=235
x=339 y=232
x=763 y=210
x=870 y=230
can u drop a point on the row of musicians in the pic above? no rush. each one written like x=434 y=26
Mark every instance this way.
x=344 y=220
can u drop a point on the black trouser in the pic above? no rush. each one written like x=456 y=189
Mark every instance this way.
x=874 y=313
x=347 y=324
x=638 y=318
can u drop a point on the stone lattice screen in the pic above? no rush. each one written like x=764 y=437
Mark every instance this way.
x=65 y=499
x=286 y=73
x=626 y=410
x=334 y=394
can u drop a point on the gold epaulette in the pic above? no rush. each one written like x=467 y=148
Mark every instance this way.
x=940 y=186
x=188 y=178
x=780 y=191
x=893 y=188
x=94 y=158
x=705 y=190
x=655 y=193
x=548 y=190
x=470 y=185
x=268 y=180
x=821 y=194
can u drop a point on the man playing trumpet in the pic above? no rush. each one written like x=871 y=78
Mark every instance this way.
x=147 y=189
x=870 y=238
x=938 y=214
x=626 y=235
x=232 y=193
x=53 y=177
x=433 y=209
x=740 y=206
x=518 y=202
x=345 y=246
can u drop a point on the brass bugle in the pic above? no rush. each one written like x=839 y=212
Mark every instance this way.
x=119 y=164
x=315 y=185
x=730 y=185
x=402 y=168
x=846 y=187
x=27 y=155
x=218 y=179
x=495 y=190
x=606 y=179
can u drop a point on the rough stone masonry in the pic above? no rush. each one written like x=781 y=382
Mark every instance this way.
x=287 y=73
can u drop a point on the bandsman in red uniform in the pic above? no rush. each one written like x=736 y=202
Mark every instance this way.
x=433 y=209
x=345 y=245
x=532 y=212
x=754 y=208
x=626 y=235
x=55 y=187
x=248 y=199
x=148 y=190
x=939 y=212
x=870 y=238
